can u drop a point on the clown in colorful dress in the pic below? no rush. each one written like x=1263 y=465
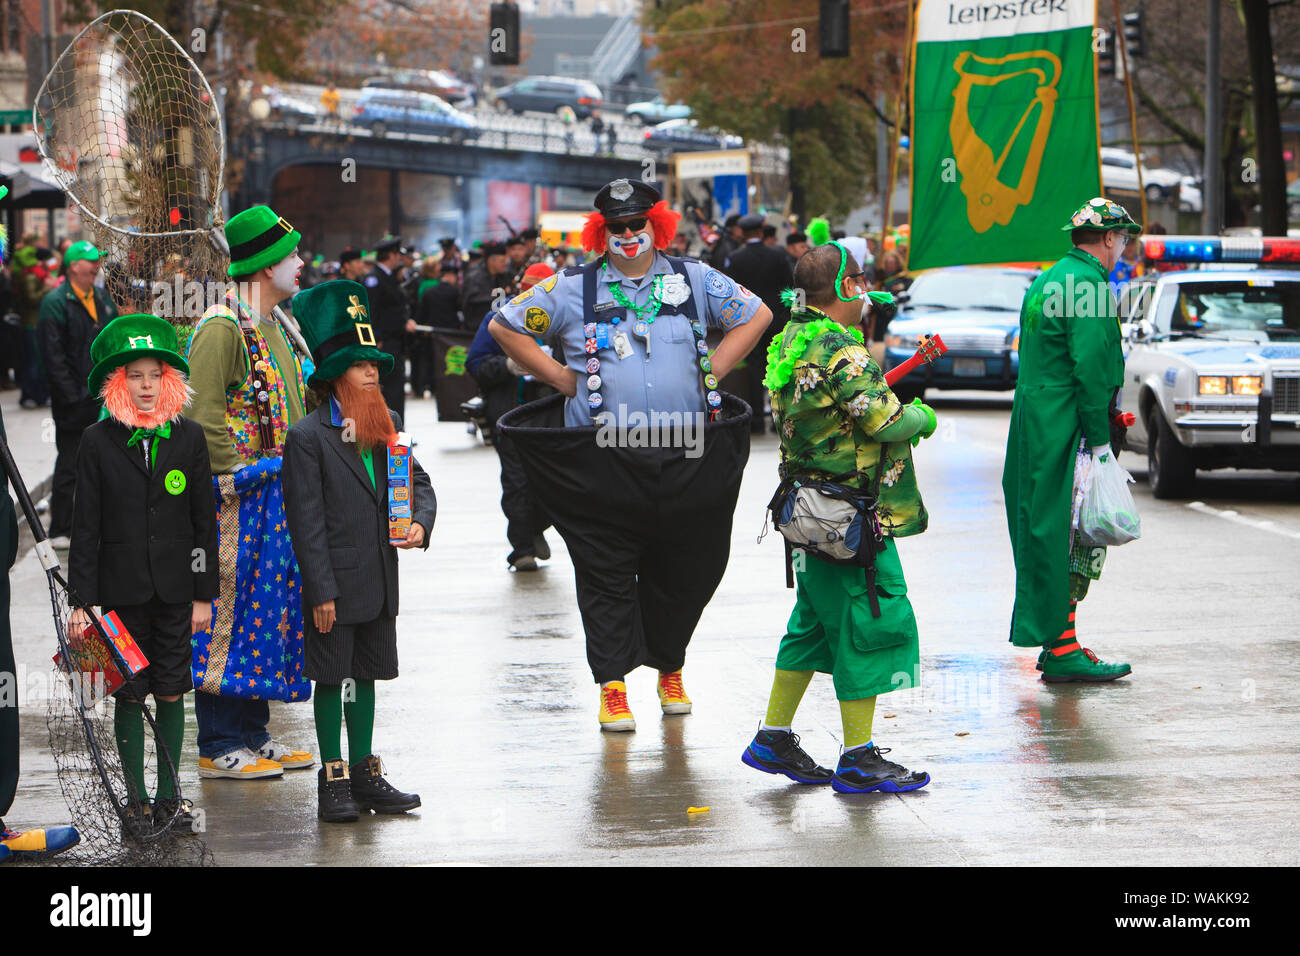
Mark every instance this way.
x=638 y=461
x=248 y=391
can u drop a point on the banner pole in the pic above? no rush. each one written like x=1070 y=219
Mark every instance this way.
x=887 y=214
x=1132 y=112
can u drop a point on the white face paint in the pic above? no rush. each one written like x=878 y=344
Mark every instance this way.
x=284 y=274
x=630 y=248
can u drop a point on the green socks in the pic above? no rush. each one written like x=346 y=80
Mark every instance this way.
x=857 y=716
x=331 y=710
x=360 y=715
x=169 y=715
x=128 y=730
x=787 y=691
x=327 y=708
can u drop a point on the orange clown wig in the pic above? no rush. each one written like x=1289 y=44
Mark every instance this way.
x=595 y=234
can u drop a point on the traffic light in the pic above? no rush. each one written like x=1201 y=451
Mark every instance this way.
x=1106 y=54
x=834 y=28
x=503 y=34
x=1134 y=33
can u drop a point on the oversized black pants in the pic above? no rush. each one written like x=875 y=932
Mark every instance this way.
x=69 y=422
x=648 y=529
x=525 y=519
x=393 y=385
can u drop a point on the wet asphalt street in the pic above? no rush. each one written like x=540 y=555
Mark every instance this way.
x=1190 y=761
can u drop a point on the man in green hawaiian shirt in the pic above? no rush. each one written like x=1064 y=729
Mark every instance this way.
x=1071 y=368
x=839 y=420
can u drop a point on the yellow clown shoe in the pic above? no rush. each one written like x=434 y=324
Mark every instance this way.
x=614 y=712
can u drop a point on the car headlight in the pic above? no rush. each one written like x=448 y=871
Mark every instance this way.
x=1213 y=384
x=896 y=341
x=1246 y=384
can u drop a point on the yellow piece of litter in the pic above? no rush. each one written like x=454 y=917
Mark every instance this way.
x=697 y=809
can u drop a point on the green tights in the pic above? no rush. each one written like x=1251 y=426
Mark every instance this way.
x=787 y=691
x=128 y=729
x=331 y=710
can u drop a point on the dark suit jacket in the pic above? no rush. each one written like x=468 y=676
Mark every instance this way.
x=131 y=537
x=338 y=521
x=389 y=309
x=764 y=271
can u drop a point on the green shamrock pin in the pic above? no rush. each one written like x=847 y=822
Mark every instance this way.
x=174 y=482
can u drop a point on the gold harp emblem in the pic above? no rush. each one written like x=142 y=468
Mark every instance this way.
x=988 y=199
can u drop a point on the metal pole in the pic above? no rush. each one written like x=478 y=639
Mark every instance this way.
x=1132 y=112
x=1212 y=196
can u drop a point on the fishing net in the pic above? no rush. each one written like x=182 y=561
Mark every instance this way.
x=128 y=126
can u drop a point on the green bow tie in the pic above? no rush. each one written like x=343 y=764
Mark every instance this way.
x=162 y=431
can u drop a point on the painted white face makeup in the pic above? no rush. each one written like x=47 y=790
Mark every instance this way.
x=630 y=248
x=284 y=274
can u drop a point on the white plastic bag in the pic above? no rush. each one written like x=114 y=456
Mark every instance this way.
x=1108 y=515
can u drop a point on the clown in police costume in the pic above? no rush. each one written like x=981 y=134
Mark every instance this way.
x=648 y=528
x=1071 y=369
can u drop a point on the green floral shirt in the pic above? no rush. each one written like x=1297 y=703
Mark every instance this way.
x=827 y=414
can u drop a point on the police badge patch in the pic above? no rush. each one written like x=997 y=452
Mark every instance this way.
x=731 y=313
x=549 y=284
x=522 y=297
x=620 y=189
x=537 y=320
x=718 y=285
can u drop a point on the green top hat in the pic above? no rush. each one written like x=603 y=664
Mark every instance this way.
x=258 y=238
x=335 y=320
x=1102 y=215
x=79 y=251
x=131 y=337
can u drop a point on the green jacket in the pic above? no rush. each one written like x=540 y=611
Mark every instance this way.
x=1071 y=363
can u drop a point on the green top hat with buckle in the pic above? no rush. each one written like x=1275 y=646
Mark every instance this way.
x=258 y=238
x=131 y=337
x=335 y=321
x=1102 y=215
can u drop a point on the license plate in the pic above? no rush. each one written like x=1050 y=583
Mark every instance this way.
x=968 y=367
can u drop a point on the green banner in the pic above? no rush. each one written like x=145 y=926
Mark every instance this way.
x=1004 y=129
x=15 y=116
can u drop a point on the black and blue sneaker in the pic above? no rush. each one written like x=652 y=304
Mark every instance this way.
x=778 y=751
x=863 y=769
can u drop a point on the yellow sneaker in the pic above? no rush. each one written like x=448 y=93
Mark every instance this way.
x=614 y=712
x=672 y=696
x=240 y=765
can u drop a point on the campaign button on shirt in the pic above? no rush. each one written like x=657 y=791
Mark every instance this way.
x=595 y=400
x=593 y=383
x=589 y=330
x=593 y=366
x=590 y=346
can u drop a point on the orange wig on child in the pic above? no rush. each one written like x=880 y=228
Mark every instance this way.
x=174 y=393
x=595 y=234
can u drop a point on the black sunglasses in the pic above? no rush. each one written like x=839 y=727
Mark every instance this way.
x=636 y=225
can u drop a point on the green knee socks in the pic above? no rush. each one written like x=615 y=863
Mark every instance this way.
x=128 y=730
x=169 y=715
x=787 y=691
x=360 y=715
x=331 y=709
x=857 y=716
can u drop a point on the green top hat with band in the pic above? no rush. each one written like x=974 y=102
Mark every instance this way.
x=258 y=238
x=131 y=337
x=335 y=321
x=1102 y=215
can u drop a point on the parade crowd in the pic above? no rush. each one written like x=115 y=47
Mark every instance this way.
x=238 y=492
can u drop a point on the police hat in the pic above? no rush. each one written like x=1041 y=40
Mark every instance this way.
x=530 y=234
x=732 y=220
x=348 y=255
x=514 y=241
x=494 y=249
x=388 y=244
x=625 y=197
x=447 y=242
x=752 y=221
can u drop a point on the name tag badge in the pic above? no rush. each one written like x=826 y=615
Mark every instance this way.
x=622 y=347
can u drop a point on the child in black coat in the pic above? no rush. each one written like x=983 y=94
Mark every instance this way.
x=144 y=538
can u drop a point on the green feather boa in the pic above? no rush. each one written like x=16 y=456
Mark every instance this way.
x=781 y=367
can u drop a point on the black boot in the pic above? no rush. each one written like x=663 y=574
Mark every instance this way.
x=334 y=794
x=372 y=792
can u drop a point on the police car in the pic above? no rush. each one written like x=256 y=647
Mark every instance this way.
x=1212 y=358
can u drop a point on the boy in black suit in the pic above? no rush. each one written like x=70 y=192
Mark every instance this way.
x=144 y=537
x=336 y=479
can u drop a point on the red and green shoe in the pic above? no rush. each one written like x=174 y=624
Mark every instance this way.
x=1077 y=664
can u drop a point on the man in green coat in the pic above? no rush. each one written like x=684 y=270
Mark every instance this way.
x=1071 y=366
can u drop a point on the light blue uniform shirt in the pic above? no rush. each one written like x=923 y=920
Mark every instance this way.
x=670 y=379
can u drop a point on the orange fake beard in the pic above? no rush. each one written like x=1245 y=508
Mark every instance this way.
x=365 y=411
x=174 y=394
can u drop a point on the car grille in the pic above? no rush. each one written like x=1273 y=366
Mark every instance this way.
x=975 y=341
x=1286 y=394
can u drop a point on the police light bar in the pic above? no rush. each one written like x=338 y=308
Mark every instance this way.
x=1220 y=248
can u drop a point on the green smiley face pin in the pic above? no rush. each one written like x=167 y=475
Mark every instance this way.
x=174 y=482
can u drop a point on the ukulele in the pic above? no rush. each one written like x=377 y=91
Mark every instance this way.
x=931 y=348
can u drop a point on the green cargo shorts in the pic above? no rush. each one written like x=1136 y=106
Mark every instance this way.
x=831 y=629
